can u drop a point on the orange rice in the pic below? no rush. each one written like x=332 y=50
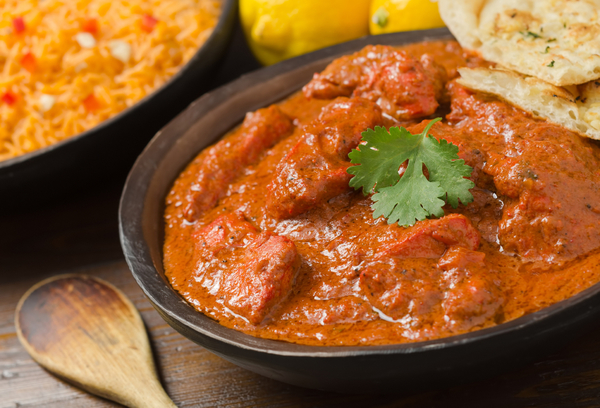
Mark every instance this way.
x=67 y=65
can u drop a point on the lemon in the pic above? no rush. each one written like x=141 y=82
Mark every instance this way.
x=281 y=29
x=389 y=16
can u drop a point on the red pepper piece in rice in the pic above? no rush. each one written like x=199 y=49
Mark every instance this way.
x=90 y=25
x=28 y=62
x=10 y=98
x=91 y=104
x=148 y=23
x=18 y=25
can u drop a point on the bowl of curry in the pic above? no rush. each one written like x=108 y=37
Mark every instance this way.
x=239 y=223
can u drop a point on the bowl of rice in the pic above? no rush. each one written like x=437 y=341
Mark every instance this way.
x=84 y=84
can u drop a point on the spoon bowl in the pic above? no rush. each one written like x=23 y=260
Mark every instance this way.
x=85 y=331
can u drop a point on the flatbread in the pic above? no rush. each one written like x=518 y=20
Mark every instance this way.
x=577 y=108
x=554 y=40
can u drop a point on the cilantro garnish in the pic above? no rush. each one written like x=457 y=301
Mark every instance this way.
x=410 y=197
x=531 y=34
x=551 y=65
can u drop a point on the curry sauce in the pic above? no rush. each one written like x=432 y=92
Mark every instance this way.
x=263 y=233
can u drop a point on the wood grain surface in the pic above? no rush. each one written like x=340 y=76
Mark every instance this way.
x=78 y=234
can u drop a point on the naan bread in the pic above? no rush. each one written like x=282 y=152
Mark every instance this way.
x=577 y=107
x=554 y=40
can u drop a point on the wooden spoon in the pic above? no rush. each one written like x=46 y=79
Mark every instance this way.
x=87 y=332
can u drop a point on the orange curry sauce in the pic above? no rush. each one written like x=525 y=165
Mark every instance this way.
x=264 y=234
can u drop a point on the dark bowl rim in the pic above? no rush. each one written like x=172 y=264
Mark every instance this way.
x=281 y=348
x=229 y=6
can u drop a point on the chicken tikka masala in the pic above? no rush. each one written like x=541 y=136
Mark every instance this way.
x=265 y=234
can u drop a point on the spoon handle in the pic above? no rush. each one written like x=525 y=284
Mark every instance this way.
x=87 y=332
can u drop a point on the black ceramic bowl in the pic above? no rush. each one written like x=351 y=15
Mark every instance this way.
x=393 y=368
x=115 y=143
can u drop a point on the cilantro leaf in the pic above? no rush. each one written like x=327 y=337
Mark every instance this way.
x=444 y=166
x=380 y=158
x=530 y=34
x=413 y=197
x=410 y=196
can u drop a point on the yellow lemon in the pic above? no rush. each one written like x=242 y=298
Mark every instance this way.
x=389 y=16
x=281 y=29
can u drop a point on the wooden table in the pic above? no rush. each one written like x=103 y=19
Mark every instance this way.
x=79 y=234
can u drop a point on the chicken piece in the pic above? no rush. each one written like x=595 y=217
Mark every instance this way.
x=343 y=75
x=340 y=125
x=305 y=180
x=226 y=232
x=223 y=162
x=439 y=76
x=402 y=86
x=314 y=170
x=472 y=298
x=461 y=258
x=346 y=309
x=250 y=271
x=414 y=292
x=399 y=292
x=263 y=279
x=455 y=295
x=430 y=238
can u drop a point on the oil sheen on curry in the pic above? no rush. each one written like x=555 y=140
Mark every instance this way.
x=264 y=234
